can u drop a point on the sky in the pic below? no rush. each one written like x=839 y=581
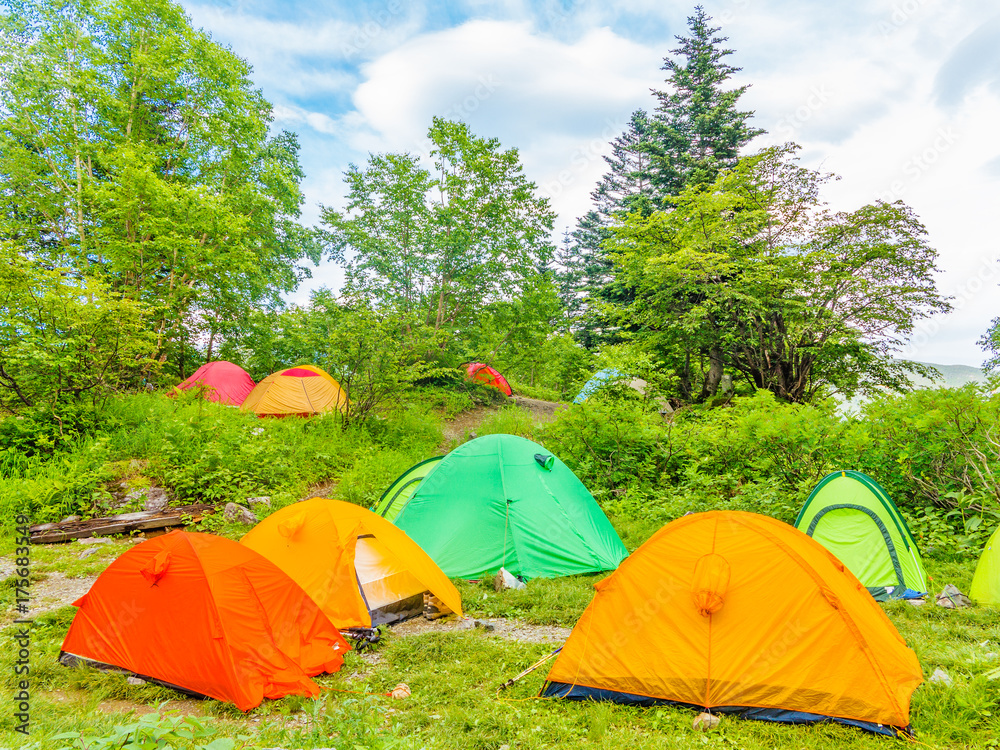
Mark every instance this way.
x=900 y=98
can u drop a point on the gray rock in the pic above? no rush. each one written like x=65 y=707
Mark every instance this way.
x=94 y=540
x=941 y=676
x=87 y=553
x=70 y=519
x=156 y=499
x=262 y=500
x=135 y=681
x=951 y=598
x=238 y=513
x=132 y=497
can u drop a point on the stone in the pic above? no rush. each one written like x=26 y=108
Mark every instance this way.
x=941 y=676
x=402 y=690
x=239 y=514
x=489 y=627
x=135 y=681
x=94 y=540
x=70 y=519
x=156 y=499
x=705 y=721
x=951 y=598
x=87 y=553
x=262 y=500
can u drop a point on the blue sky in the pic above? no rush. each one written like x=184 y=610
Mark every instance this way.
x=901 y=98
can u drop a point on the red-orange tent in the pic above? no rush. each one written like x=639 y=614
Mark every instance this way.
x=487 y=375
x=208 y=616
x=739 y=613
x=221 y=381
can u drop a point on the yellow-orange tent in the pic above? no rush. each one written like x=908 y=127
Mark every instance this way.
x=734 y=612
x=302 y=390
x=359 y=568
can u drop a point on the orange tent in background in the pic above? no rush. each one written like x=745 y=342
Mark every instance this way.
x=734 y=612
x=208 y=616
x=221 y=381
x=359 y=568
x=302 y=390
x=487 y=375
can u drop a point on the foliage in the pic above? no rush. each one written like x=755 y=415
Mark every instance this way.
x=66 y=344
x=376 y=355
x=758 y=277
x=442 y=247
x=509 y=420
x=695 y=132
x=152 y=732
x=135 y=150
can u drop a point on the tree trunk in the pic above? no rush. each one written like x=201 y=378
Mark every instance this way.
x=713 y=377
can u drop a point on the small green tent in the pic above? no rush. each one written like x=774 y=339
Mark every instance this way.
x=985 y=587
x=503 y=501
x=400 y=491
x=853 y=517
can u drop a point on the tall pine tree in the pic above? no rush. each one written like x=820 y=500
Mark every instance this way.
x=696 y=130
x=624 y=188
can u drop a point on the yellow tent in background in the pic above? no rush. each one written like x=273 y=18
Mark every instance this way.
x=303 y=390
x=359 y=568
x=734 y=612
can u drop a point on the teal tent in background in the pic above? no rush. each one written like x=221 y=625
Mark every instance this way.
x=600 y=379
x=504 y=501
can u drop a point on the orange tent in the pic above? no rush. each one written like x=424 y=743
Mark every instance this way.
x=302 y=390
x=208 y=616
x=734 y=612
x=359 y=568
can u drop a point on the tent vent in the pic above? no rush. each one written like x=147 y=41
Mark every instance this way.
x=546 y=462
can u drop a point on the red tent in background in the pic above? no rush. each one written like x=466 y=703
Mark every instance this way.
x=222 y=381
x=487 y=375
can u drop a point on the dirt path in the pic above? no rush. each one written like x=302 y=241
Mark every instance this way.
x=57 y=591
x=511 y=629
x=457 y=428
x=542 y=411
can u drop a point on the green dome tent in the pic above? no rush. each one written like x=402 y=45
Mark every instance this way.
x=985 y=587
x=400 y=491
x=853 y=517
x=503 y=501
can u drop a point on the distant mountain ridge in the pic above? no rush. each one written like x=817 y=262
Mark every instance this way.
x=952 y=376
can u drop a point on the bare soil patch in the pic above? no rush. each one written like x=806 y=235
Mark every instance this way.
x=542 y=411
x=57 y=591
x=511 y=629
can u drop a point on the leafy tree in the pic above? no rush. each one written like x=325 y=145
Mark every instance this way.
x=444 y=245
x=65 y=344
x=795 y=298
x=696 y=130
x=135 y=150
x=376 y=355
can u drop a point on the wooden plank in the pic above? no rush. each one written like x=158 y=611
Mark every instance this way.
x=120 y=524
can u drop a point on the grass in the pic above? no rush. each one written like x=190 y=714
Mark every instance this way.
x=453 y=676
x=454 y=679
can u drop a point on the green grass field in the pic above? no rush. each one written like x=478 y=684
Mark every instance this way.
x=454 y=678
